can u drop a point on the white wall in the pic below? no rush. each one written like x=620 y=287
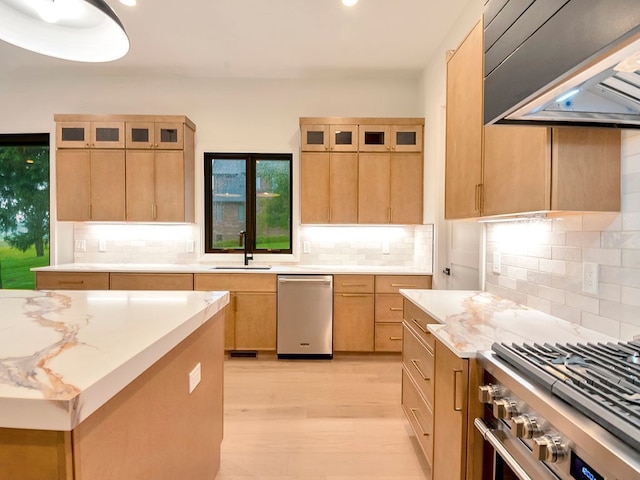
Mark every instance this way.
x=230 y=114
x=434 y=99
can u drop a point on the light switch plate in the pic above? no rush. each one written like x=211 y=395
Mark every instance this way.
x=102 y=245
x=191 y=245
x=385 y=247
x=81 y=246
x=306 y=246
x=497 y=262
x=194 y=377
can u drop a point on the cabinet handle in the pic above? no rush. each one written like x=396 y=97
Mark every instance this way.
x=395 y=338
x=413 y=412
x=415 y=364
x=414 y=320
x=154 y=211
x=481 y=197
x=329 y=214
x=353 y=285
x=90 y=212
x=395 y=309
x=389 y=214
x=70 y=282
x=403 y=285
x=455 y=389
x=475 y=200
x=235 y=303
x=354 y=294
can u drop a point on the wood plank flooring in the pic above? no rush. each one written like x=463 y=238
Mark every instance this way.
x=334 y=419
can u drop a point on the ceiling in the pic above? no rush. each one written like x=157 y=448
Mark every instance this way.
x=265 y=39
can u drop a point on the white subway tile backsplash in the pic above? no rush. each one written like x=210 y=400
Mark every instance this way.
x=565 y=312
x=572 y=254
x=604 y=256
x=629 y=332
x=583 y=239
x=631 y=202
x=601 y=324
x=631 y=183
x=538 y=303
x=552 y=294
x=621 y=240
x=601 y=222
x=630 y=296
x=582 y=302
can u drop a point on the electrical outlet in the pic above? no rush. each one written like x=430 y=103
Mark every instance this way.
x=81 y=245
x=102 y=245
x=385 y=247
x=590 y=274
x=194 y=378
x=191 y=246
x=497 y=262
x=306 y=246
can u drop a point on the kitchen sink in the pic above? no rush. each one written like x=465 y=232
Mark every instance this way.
x=241 y=267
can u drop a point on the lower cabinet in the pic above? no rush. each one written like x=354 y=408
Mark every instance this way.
x=72 y=281
x=250 y=318
x=353 y=313
x=151 y=281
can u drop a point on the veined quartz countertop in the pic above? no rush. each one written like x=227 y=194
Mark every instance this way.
x=253 y=268
x=471 y=321
x=64 y=354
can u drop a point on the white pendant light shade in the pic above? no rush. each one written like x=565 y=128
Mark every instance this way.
x=79 y=30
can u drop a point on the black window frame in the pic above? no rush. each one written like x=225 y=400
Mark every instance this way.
x=250 y=214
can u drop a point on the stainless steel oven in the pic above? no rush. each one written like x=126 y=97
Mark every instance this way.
x=550 y=412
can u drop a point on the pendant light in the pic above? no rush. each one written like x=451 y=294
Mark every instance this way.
x=79 y=30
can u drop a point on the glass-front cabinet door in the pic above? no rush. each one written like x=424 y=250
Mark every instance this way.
x=406 y=138
x=314 y=138
x=140 y=135
x=169 y=136
x=107 y=134
x=73 y=134
x=374 y=138
x=343 y=138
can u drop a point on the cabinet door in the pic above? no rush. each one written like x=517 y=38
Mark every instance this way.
x=169 y=188
x=388 y=308
x=140 y=184
x=343 y=188
x=255 y=321
x=140 y=134
x=169 y=136
x=107 y=185
x=314 y=188
x=388 y=337
x=450 y=414
x=373 y=188
x=314 y=138
x=374 y=138
x=72 y=281
x=73 y=134
x=343 y=138
x=464 y=126
x=406 y=138
x=353 y=322
x=151 y=281
x=517 y=169
x=406 y=197
x=73 y=185
x=107 y=135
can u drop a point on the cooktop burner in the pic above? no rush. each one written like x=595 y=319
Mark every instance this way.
x=601 y=380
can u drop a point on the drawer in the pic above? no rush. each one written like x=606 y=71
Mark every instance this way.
x=235 y=282
x=393 y=283
x=418 y=320
x=72 y=280
x=419 y=414
x=353 y=283
x=389 y=308
x=418 y=360
x=151 y=281
x=388 y=337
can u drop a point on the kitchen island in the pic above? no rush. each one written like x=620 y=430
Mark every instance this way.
x=104 y=384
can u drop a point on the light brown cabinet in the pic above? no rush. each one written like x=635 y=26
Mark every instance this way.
x=380 y=182
x=101 y=180
x=329 y=187
x=501 y=169
x=72 y=280
x=353 y=313
x=151 y=281
x=390 y=188
x=250 y=319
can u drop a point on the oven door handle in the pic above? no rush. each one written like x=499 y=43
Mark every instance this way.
x=495 y=442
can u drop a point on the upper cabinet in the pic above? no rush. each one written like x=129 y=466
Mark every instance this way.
x=506 y=170
x=125 y=168
x=361 y=170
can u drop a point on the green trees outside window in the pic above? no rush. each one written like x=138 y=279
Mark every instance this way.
x=24 y=208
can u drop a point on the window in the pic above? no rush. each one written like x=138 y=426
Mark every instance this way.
x=24 y=208
x=248 y=192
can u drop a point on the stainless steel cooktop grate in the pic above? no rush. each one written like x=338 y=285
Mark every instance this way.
x=601 y=380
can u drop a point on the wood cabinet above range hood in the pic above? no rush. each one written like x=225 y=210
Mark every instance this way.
x=572 y=62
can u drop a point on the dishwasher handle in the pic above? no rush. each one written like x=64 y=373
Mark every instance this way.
x=304 y=280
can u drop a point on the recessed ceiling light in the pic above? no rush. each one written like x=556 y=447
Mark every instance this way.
x=129 y=3
x=79 y=30
x=349 y=3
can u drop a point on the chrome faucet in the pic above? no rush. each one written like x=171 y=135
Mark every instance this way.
x=243 y=243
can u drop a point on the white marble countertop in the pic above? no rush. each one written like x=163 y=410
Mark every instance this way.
x=253 y=268
x=472 y=321
x=64 y=354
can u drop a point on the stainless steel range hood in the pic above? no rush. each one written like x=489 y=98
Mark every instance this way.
x=573 y=62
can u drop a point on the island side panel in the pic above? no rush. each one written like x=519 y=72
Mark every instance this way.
x=35 y=454
x=154 y=428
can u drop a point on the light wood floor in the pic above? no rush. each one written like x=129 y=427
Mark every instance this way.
x=317 y=420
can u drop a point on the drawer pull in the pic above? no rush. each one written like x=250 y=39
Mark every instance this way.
x=455 y=389
x=71 y=282
x=354 y=294
x=415 y=320
x=403 y=285
x=395 y=338
x=415 y=364
x=415 y=415
x=395 y=309
x=353 y=285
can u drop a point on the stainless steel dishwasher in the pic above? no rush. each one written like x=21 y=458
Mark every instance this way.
x=305 y=316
